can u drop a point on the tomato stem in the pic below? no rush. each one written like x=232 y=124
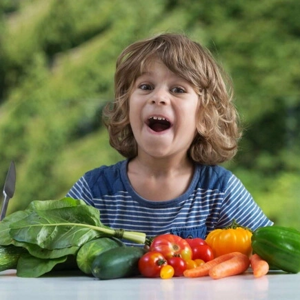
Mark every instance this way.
x=161 y=262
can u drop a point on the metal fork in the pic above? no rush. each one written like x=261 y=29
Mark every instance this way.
x=8 y=189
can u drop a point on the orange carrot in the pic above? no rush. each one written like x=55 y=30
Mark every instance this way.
x=203 y=270
x=259 y=266
x=233 y=266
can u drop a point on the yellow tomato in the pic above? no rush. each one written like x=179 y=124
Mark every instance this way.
x=190 y=264
x=231 y=239
x=167 y=272
x=199 y=262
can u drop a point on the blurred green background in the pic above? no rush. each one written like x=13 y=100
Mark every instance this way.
x=57 y=60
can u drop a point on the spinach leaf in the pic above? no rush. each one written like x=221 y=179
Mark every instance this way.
x=56 y=229
x=65 y=223
x=5 y=238
x=54 y=204
x=29 y=266
x=39 y=252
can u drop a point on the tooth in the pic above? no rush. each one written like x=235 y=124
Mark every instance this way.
x=158 y=118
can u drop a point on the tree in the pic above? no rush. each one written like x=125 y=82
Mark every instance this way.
x=57 y=62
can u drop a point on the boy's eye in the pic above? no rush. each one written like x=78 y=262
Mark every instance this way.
x=145 y=87
x=177 y=90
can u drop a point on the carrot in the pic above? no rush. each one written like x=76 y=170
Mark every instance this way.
x=259 y=266
x=238 y=264
x=203 y=270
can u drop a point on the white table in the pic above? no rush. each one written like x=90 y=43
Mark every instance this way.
x=276 y=285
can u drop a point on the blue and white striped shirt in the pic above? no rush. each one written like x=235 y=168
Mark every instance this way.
x=214 y=198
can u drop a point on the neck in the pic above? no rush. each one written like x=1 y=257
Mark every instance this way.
x=160 y=179
x=156 y=167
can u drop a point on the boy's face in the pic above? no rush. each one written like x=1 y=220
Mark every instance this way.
x=162 y=112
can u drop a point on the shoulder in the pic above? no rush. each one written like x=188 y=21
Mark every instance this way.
x=107 y=176
x=109 y=171
x=214 y=177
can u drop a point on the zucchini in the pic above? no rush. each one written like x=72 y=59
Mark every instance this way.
x=88 y=252
x=279 y=246
x=117 y=263
x=9 y=256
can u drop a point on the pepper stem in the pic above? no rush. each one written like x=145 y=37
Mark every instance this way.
x=235 y=225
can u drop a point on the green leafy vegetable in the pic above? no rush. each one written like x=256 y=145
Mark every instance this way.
x=5 y=238
x=29 y=266
x=51 y=231
x=38 y=252
x=55 y=229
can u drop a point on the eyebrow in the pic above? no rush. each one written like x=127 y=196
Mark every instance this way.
x=147 y=73
x=176 y=76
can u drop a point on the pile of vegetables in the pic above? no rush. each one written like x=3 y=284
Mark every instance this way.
x=67 y=234
x=231 y=251
x=49 y=234
x=170 y=255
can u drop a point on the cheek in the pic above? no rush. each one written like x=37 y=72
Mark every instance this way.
x=192 y=116
x=131 y=109
x=135 y=107
x=135 y=117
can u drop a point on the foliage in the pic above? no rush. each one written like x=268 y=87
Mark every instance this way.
x=57 y=63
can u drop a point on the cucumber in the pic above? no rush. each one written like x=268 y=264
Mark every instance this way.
x=279 y=246
x=117 y=263
x=9 y=256
x=90 y=250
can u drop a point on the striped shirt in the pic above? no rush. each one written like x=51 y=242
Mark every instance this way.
x=214 y=198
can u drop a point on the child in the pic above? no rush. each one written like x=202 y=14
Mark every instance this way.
x=174 y=122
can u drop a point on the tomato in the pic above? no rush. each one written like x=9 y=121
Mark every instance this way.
x=178 y=264
x=150 y=264
x=200 y=249
x=191 y=264
x=170 y=245
x=199 y=262
x=196 y=242
x=166 y=272
x=231 y=239
x=203 y=252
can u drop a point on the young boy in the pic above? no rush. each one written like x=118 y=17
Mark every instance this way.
x=174 y=122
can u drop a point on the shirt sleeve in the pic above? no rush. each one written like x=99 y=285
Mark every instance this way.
x=239 y=205
x=82 y=191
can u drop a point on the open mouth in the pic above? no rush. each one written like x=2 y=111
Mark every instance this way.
x=158 y=124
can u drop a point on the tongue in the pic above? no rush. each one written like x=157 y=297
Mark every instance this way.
x=158 y=127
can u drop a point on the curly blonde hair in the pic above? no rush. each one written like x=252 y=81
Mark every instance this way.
x=218 y=130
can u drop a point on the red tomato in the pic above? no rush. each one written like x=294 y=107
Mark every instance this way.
x=178 y=264
x=151 y=263
x=196 y=242
x=170 y=245
x=203 y=252
x=200 y=249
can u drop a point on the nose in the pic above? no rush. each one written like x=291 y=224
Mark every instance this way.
x=160 y=97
